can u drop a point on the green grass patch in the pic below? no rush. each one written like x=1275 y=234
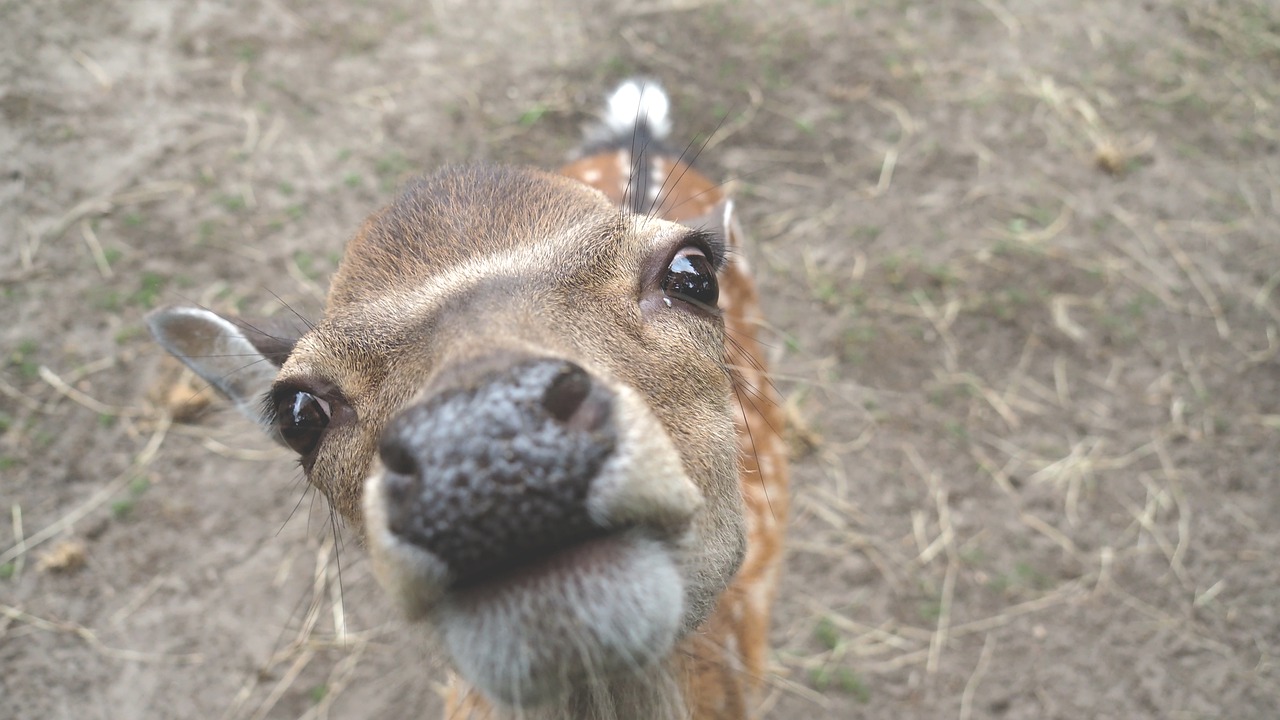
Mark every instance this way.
x=306 y=263
x=149 y=289
x=390 y=169
x=23 y=359
x=233 y=202
x=138 y=486
x=841 y=679
x=106 y=299
x=826 y=633
x=124 y=508
x=533 y=114
x=929 y=610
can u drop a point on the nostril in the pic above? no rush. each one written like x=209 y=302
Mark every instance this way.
x=566 y=392
x=576 y=401
x=395 y=458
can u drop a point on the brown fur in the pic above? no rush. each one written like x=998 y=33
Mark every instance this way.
x=725 y=661
x=722 y=663
x=474 y=266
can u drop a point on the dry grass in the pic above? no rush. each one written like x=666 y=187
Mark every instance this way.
x=1021 y=273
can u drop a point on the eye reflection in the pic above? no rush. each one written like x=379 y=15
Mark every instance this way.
x=303 y=419
x=691 y=278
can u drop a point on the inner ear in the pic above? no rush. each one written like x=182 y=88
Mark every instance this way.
x=274 y=338
x=237 y=357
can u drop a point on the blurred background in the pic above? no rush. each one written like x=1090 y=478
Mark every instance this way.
x=1019 y=261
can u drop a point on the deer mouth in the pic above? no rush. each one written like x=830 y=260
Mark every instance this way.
x=525 y=632
x=539 y=520
x=607 y=605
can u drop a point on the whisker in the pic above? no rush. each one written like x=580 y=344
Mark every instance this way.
x=662 y=188
x=714 y=188
x=636 y=181
x=635 y=131
x=310 y=325
x=689 y=164
x=334 y=525
x=311 y=509
x=736 y=348
x=758 y=326
x=753 y=363
x=743 y=384
x=776 y=432
x=755 y=452
x=753 y=392
x=302 y=496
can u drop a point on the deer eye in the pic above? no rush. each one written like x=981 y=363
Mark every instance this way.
x=302 y=419
x=690 y=277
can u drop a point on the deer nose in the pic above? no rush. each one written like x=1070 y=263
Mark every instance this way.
x=496 y=473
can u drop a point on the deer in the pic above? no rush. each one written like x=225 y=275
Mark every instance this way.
x=540 y=400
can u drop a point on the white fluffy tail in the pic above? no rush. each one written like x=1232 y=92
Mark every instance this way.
x=638 y=111
x=639 y=101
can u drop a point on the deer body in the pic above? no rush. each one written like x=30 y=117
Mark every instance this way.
x=548 y=415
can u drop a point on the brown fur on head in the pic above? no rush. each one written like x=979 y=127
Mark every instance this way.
x=481 y=259
x=481 y=267
x=477 y=262
x=527 y=401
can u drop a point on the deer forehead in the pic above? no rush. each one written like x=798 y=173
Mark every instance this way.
x=604 y=260
x=464 y=219
x=585 y=276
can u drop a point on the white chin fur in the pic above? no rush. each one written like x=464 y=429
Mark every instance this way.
x=612 y=605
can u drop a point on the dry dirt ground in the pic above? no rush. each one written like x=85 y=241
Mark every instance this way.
x=1020 y=260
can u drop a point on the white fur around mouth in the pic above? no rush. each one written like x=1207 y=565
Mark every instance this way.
x=603 y=609
x=610 y=604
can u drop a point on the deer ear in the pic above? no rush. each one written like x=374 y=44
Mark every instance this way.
x=239 y=358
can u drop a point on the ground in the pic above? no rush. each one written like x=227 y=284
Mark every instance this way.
x=1019 y=260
